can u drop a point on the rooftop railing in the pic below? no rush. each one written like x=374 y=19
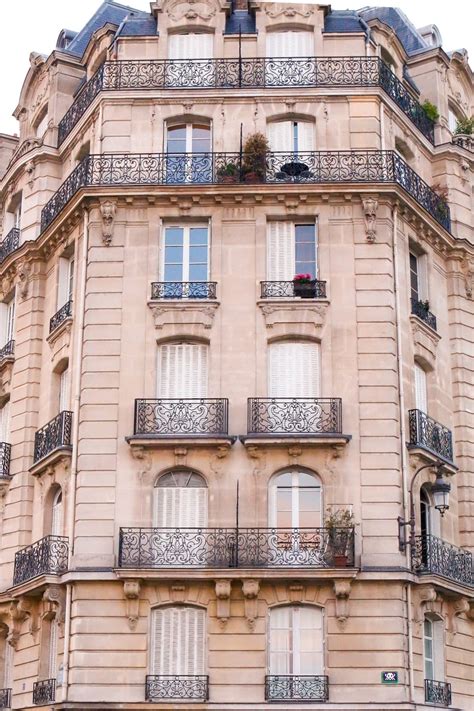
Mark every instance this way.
x=246 y=73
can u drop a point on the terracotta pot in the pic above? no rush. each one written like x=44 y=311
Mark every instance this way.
x=340 y=561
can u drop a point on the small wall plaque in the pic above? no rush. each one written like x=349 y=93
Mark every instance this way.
x=389 y=677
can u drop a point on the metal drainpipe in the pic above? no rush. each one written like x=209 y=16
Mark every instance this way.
x=75 y=445
x=403 y=453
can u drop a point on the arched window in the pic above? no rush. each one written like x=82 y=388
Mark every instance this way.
x=180 y=500
x=177 y=641
x=295 y=500
x=294 y=369
x=291 y=136
x=182 y=370
x=433 y=647
x=189 y=159
x=296 y=641
x=64 y=393
x=57 y=514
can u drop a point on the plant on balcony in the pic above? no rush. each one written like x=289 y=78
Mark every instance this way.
x=340 y=525
x=254 y=162
x=465 y=126
x=431 y=110
x=304 y=286
x=441 y=210
x=228 y=173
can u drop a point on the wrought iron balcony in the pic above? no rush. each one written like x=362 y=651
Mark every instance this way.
x=289 y=289
x=431 y=435
x=464 y=140
x=421 y=309
x=48 y=556
x=236 y=548
x=183 y=290
x=55 y=435
x=10 y=243
x=184 y=686
x=431 y=555
x=246 y=73
x=5 y=698
x=295 y=416
x=60 y=316
x=8 y=351
x=44 y=692
x=5 y=454
x=207 y=417
x=315 y=167
x=297 y=687
x=437 y=692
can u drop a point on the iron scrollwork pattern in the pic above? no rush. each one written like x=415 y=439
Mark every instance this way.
x=183 y=290
x=294 y=416
x=246 y=73
x=437 y=692
x=10 y=243
x=420 y=309
x=54 y=435
x=48 y=556
x=5 y=454
x=44 y=692
x=286 y=289
x=8 y=350
x=5 y=698
x=427 y=433
x=279 y=687
x=182 y=686
x=236 y=548
x=177 y=417
x=60 y=316
x=437 y=557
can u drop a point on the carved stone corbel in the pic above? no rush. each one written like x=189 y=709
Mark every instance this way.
x=459 y=607
x=107 y=210
x=131 y=590
x=370 y=215
x=54 y=599
x=223 y=588
x=250 y=590
x=427 y=596
x=21 y=610
x=342 y=591
x=142 y=455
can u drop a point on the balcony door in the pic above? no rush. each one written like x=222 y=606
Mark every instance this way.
x=185 y=258
x=5 y=422
x=7 y=322
x=178 y=642
x=290 y=44
x=190 y=45
x=57 y=515
x=296 y=641
x=291 y=249
x=433 y=648
x=65 y=281
x=189 y=157
x=182 y=371
x=294 y=370
x=291 y=136
x=421 y=390
x=180 y=501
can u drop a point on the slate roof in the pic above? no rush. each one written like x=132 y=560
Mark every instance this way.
x=240 y=20
x=134 y=26
x=343 y=21
x=398 y=21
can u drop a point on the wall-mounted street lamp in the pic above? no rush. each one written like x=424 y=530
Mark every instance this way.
x=440 y=491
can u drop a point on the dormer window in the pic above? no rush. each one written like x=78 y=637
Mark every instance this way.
x=190 y=45
x=290 y=43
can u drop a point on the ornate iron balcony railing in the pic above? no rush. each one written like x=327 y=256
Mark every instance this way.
x=5 y=454
x=44 y=692
x=297 y=687
x=8 y=350
x=289 y=289
x=183 y=290
x=437 y=692
x=5 y=698
x=54 y=435
x=431 y=555
x=181 y=417
x=60 y=316
x=294 y=416
x=236 y=548
x=421 y=309
x=431 y=435
x=464 y=140
x=182 y=686
x=315 y=167
x=10 y=243
x=246 y=73
x=48 y=556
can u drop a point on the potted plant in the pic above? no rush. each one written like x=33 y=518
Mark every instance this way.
x=228 y=173
x=304 y=286
x=340 y=527
x=464 y=126
x=431 y=110
x=254 y=158
x=441 y=210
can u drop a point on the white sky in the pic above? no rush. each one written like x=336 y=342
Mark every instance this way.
x=33 y=25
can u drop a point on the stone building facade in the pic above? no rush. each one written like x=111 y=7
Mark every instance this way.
x=203 y=461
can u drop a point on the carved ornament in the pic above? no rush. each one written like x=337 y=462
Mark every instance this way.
x=250 y=590
x=288 y=11
x=131 y=590
x=190 y=10
x=195 y=316
x=107 y=210
x=223 y=588
x=370 y=216
x=342 y=591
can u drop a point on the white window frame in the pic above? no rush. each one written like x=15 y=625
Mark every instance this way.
x=64 y=395
x=65 y=281
x=276 y=271
x=422 y=275
x=421 y=388
x=186 y=227
x=57 y=514
x=452 y=120
x=294 y=656
x=437 y=645
x=7 y=321
x=5 y=422
x=296 y=498
x=294 y=136
x=156 y=649
x=188 y=148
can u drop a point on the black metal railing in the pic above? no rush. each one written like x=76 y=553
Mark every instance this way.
x=5 y=698
x=44 y=692
x=313 y=289
x=48 y=556
x=315 y=167
x=294 y=416
x=8 y=350
x=236 y=548
x=182 y=686
x=464 y=141
x=437 y=692
x=183 y=290
x=181 y=417
x=431 y=435
x=55 y=435
x=5 y=455
x=10 y=243
x=297 y=687
x=60 y=316
x=421 y=309
x=431 y=555
x=247 y=73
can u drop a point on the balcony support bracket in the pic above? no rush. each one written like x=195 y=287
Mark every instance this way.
x=342 y=591
x=131 y=590
x=250 y=590
x=223 y=588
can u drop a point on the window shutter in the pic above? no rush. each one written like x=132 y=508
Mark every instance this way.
x=294 y=369
x=5 y=422
x=280 y=251
x=280 y=641
x=180 y=507
x=70 y=280
x=177 y=641
x=190 y=46
x=290 y=44
x=64 y=401
x=280 y=136
x=10 y=326
x=53 y=649
x=305 y=136
x=63 y=282
x=421 y=398
x=308 y=622
x=422 y=266
x=57 y=515
x=182 y=370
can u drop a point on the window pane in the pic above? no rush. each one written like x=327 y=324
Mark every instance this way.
x=198 y=255
x=305 y=250
x=174 y=236
x=198 y=236
x=173 y=272
x=198 y=272
x=304 y=233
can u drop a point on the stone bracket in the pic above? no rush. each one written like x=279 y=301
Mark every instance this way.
x=342 y=591
x=370 y=216
x=250 y=590
x=107 y=211
x=131 y=590
x=223 y=588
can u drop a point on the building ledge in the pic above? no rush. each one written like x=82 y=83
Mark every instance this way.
x=34 y=586
x=64 y=327
x=449 y=587
x=154 y=441
x=296 y=440
x=53 y=457
x=282 y=573
x=431 y=457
